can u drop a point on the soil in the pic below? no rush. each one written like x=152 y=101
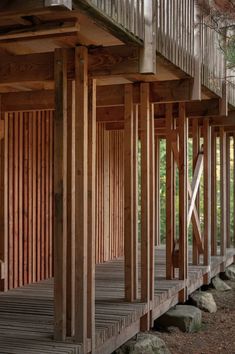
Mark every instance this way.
x=217 y=335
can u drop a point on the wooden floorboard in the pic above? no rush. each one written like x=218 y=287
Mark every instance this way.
x=26 y=314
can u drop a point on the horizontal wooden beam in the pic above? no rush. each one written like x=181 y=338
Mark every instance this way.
x=115 y=60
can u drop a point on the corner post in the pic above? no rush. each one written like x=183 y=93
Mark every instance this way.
x=213 y=193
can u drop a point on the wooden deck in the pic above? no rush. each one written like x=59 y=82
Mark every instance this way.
x=26 y=314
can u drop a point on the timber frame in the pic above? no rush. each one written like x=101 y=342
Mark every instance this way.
x=89 y=93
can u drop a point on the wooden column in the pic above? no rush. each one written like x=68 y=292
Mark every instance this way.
x=81 y=193
x=129 y=237
x=60 y=192
x=157 y=191
x=196 y=149
x=222 y=191
x=207 y=191
x=91 y=212
x=136 y=195
x=145 y=199
x=152 y=204
x=170 y=194
x=228 y=191
x=70 y=210
x=213 y=194
x=234 y=190
x=183 y=193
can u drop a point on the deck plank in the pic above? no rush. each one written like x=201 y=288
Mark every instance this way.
x=26 y=314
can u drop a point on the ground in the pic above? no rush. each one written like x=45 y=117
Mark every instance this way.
x=217 y=335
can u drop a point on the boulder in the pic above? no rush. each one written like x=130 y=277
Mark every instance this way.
x=230 y=272
x=185 y=317
x=144 y=343
x=220 y=285
x=204 y=301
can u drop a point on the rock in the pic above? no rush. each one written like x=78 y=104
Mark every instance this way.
x=186 y=318
x=230 y=272
x=204 y=301
x=144 y=343
x=219 y=284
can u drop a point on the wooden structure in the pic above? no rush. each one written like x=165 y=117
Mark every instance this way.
x=88 y=90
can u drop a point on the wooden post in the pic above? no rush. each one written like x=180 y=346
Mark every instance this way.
x=136 y=196
x=145 y=200
x=196 y=92
x=170 y=197
x=196 y=149
x=157 y=191
x=234 y=190
x=81 y=194
x=70 y=220
x=228 y=191
x=183 y=193
x=223 y=191
x=213 y=194
x=152 y=205
x=60 y=192
x=130 y=239
x=207 y=191
x=91 y=212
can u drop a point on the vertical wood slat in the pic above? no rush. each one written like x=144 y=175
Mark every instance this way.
x=60 y=192
x=23 y=207
x=6 y=201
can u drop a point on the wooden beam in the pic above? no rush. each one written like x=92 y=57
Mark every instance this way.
x=170 y=195
x=222 y=191
x=183 y=195
x=145 y=200
x=60 y=192
x=91 y=242
x=213 y=193
x=81 y=194
x=207 y=191
x=115 y=60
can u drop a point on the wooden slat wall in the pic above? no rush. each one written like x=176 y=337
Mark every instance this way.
x=110 y=198
x=28 y=194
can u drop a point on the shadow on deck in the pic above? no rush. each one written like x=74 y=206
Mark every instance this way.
x=26 y=314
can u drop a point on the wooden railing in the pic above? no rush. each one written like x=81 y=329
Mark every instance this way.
x=127 y=13
x=213 y=61
x=175 y=32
